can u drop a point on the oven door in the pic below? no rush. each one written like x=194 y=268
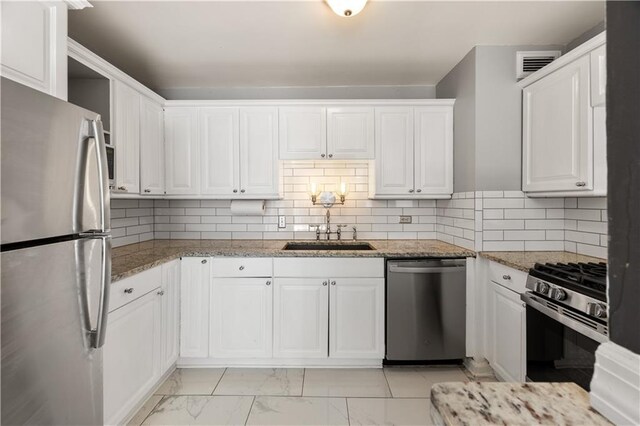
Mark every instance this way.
x=561 y=343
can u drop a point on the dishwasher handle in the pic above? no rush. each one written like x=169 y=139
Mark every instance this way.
x=426 y=270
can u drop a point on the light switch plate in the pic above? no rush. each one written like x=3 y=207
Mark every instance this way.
x=405 y=219
x=282 y=221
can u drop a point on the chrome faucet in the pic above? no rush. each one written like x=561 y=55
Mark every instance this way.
x=328 y=230
x=355 y=233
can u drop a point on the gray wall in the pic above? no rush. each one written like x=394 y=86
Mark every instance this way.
x=332 y=92
x=460 y=83
x=587 y=35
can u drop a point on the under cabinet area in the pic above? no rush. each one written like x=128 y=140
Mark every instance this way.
x=282 y=311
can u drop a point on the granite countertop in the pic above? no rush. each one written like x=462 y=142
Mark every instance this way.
x=524 y=260
x=135 y=258
x=493 y=403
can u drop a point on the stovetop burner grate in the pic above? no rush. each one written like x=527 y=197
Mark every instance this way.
x=587 y=278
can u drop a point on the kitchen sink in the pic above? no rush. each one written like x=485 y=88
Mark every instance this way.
x=327 y=245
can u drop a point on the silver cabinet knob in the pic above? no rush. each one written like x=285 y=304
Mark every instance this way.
x=241 y=268
x=506 y=277
x=330 y=155
x=235 y=191
x=161 y=293
x=242 y=190
x=203 y=261
x=411 y=190
x=419 y=190
x=324 y=283
x=581 y=184
x=128 y=290
x=322 y=155
x=122 y=188
x=333 y=283
x=147 y=191
x=268 y=282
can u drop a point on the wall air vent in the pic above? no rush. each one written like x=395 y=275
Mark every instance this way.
x=528 y=62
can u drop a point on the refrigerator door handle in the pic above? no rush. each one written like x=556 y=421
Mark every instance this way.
x=105 y=284
x=103 y=175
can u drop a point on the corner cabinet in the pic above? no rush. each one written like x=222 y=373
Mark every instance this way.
x=151 y=147
x=34 y=44
x=195 y=286
x=414 y=152
x=563 y=125
x=126 y=137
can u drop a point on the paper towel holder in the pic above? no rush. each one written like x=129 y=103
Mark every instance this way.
x=327 y=199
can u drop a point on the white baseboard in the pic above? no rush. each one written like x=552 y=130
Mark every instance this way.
x=478 y=367
x=615 y=387
x=278 y=363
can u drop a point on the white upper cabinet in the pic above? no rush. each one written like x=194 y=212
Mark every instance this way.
x=563 y=149
x=350 y=132
x=241 y=318
x=151 y=147
x=356 y=318
x=126 y=137
x=182 y=151
x=433 y=151
x=219 y=148
x=300 y=318
x=303 y=133
x=34 y=44
x=259 y=171
x=393 y=169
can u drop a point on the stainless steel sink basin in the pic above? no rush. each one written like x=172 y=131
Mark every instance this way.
x=328 y=245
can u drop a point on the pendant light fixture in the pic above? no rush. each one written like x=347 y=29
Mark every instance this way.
x=346 y=8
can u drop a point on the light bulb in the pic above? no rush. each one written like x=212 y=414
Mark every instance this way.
x=346 y=8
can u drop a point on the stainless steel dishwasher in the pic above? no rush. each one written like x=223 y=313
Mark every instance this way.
x=426 y=305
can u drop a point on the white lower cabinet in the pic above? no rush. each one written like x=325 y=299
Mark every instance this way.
x=170 y=293
x=508 y=334
x=194 y=307
x=241 y=312
x=301 y=318
x=132 y=355
x=356 y=318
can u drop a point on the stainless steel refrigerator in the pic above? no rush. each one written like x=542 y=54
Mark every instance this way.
x=56 y=266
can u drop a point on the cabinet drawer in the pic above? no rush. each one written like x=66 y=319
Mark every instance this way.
x=131 y=288
x=507 y=277
x=242 y=267
x=329 y=267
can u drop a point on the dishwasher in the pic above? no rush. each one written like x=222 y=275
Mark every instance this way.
x=426 y=309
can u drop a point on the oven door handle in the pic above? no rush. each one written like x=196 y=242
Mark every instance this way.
x=532 y=300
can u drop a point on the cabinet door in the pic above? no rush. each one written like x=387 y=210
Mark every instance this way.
x=151 y=147
x=219 y=148
x=350 y=133
x=170 y=313
x=599 y=75
x=303 y=133
x=195 y=278
x=394 y=151
x=557 y=134
x=182 y=151
x=127 y=138
x=300 y=318
x=131 y=355
x=356 y=318
x=259 y=171
x=241 y=318
x=509 y=339
x=34 y=44
x=433 y=160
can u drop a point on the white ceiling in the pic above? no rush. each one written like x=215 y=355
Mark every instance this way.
x=302 y=43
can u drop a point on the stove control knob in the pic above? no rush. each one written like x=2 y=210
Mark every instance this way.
x=558 y=294
x=597 y=310
x=542 y=287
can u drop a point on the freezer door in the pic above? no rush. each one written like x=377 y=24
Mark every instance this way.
x=54 y=179
x=51 y=370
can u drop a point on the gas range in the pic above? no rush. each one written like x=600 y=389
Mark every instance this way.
x=575 y=291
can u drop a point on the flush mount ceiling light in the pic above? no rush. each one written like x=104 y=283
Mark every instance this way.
x=346 y=8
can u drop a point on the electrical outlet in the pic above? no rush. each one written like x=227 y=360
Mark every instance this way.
x=405 y=219
x=282 y=221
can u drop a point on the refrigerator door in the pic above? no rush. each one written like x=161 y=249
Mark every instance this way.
x=54 y=179
x=51 y=301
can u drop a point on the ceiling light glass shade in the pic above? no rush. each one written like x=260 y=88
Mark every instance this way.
x=347 y=8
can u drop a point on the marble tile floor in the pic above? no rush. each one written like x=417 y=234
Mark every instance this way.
x=296 y=396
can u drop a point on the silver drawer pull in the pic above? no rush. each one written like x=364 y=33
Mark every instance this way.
x=581 y=184
x=506 y=277
x=147 y=191
x=203 y=261
x=161 y=293
x=268 y=282
x=128 y=290
x=122 y=188
x=324 y=283
x=333 y=283
x=241 y=268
